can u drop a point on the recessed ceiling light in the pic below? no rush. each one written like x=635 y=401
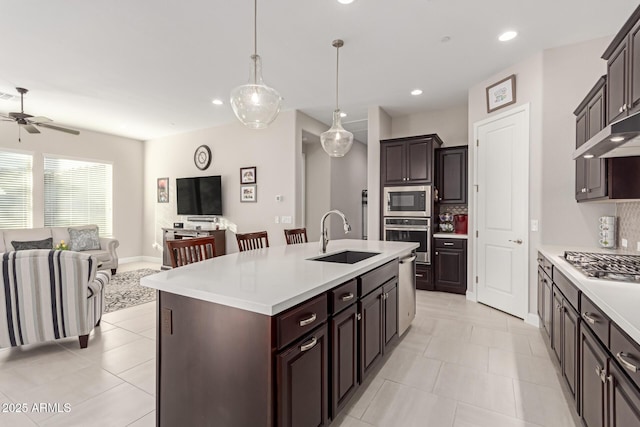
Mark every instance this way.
x=345 y=1
x=588 y=156
x=343 y=114
x=507 y=35
x=617 y=139
x=217 y=102
x=416 y=92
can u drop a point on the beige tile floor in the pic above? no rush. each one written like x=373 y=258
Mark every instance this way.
x=460 y=364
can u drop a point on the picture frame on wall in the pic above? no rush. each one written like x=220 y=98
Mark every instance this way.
x=248 y=193
x=248 y=175
x=163 y=190
x=501 y=94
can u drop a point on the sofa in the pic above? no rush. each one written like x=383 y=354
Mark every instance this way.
x=49 y=294
x=106 y=254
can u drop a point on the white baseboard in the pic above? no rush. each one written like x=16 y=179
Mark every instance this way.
x=471 y=296
x=131 y=259
x=532 y=319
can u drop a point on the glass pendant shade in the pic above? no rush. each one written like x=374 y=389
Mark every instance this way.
x=255 y=104
x=337 y=141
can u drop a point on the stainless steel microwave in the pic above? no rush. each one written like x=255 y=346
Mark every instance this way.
x=412 y=200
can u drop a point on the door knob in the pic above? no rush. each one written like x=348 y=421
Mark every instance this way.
x=518 y=241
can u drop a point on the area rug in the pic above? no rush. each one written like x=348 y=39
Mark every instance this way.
x=124 y=290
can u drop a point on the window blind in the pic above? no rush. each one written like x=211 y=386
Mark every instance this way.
x=16 y=188
x=77 y=192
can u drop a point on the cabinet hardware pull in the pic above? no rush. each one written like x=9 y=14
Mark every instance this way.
x=437 y=253
x=518 y=241
x=312 y=343
x=620 y=110
x=629 y=366
x=588 y=318
x=558 y=307
x=347 y=297
x=408 y=259
x=308 y=321
x=544 y=280
x=419 y=275
x=359 y=316
x=448 y=243
x=624 y=107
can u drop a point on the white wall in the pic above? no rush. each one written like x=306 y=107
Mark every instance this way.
x=273 y=151
x=450 y=124
x=569 y=73
x=125 y=154
x=348 y=179
x=379 y=127
x=318 y=187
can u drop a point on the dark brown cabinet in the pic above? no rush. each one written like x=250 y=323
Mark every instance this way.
x=545 y=295
x=344 y=357
x=424 y=277
x=371 y=324
x=556 y=325
x=408 y=160
x=593 y=372
x=623 y=70
x=390 y=298
x=570 y=355
x=450 y=265
x=591 y=174
x=302 y=372
x=451 y=175
x=624 y=399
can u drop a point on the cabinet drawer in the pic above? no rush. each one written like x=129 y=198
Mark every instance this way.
x=424 y=278
x=595 y=319
x=626 y=352
x=375 y=278
x=449 y=243
x=545 y=264
x=299 y=320
x=343 y=296
x=570 y=292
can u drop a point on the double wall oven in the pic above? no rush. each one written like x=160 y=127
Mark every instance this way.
x=407 y=217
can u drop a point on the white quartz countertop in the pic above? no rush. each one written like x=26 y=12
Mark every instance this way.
x=450 y=236
x=271 y=280
x=618 y=300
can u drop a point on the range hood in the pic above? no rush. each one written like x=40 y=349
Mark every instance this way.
x=619 y=139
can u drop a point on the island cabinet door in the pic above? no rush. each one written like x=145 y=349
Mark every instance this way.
x=371 y=339
x=390 y=298
x=344 y=358
x=302 y=389
x=624 y=399
x=593 y=372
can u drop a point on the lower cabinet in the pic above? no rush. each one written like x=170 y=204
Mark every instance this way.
x=545 y=302
x=570 y=358
x=624 y=399
x=390 y=298
x=593 y=369
x=371 y=308
x=424 y=277
x=302 y=372
x=450 y=265
x=344 y=357
x=556 y=325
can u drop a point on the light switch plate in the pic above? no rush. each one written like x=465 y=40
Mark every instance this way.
x=277 y=219
x=286 y=220
x=625 y=243
x=534 y=225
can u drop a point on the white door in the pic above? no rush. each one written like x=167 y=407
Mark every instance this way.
x=502 y=210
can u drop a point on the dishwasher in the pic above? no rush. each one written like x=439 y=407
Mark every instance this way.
x=406 y=292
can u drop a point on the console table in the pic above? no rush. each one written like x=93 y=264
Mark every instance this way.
x=187 y=233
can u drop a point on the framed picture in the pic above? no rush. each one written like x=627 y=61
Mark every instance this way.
x=163 y=190
x=248 y=175
x=249 y=193
x=501 y=94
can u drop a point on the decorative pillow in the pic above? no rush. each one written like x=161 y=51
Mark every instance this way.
x=84 y=239
x=33 y=244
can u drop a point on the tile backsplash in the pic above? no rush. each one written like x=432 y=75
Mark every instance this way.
x=628 y=224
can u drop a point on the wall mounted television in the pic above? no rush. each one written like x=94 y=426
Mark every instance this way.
x=200 y=195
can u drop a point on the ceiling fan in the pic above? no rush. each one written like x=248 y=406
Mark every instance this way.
x=29 y=122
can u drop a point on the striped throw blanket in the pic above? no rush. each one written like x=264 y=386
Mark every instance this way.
x=48 y=294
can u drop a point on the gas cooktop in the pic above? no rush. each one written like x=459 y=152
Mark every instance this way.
x=606 y=266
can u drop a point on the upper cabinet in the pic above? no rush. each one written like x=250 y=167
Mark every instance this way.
x=408 y=160
x=623 y=70
x=451 y=175
x=591 y=174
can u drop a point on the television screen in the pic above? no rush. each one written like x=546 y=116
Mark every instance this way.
x=200 y=195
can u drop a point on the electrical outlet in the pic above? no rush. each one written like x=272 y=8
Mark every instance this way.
x=286 y=220
x=534 y=225
x=278 y=219
x=625 y=243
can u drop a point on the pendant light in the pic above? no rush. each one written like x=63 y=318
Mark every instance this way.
x=255 y=104
x=337 y=141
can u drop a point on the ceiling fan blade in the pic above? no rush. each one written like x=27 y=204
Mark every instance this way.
x=30 y=128
x=39 y=119
x=58 y=128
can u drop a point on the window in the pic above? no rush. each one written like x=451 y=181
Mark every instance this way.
x=16 y=187
x=77 y=192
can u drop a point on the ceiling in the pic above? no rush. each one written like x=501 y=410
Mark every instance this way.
x=147 y=68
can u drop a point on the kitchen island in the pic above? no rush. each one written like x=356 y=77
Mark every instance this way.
x=272 y=337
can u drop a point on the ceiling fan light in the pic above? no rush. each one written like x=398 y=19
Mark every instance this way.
x=337 y=141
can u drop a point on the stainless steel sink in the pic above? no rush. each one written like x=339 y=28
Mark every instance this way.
x=346 y=257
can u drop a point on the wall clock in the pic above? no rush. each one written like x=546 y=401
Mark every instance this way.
x=202 y=157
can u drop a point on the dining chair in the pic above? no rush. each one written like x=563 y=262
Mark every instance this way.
x=295 y=235
x=249 y=241
x=188 y=251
